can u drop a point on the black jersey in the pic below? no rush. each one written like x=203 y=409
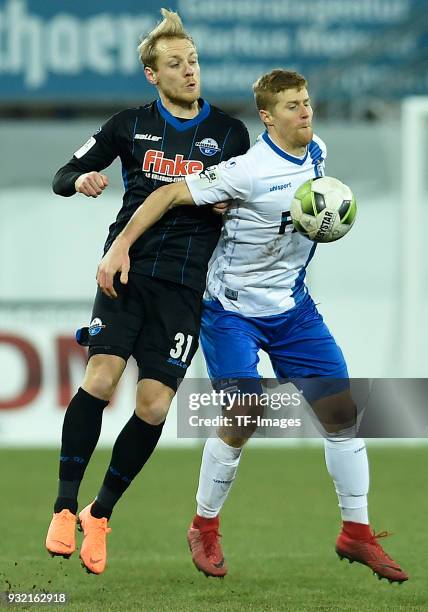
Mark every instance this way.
x=157 y=148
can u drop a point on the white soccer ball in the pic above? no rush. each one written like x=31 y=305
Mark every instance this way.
x=323 y=209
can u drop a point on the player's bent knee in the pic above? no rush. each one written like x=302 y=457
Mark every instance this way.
x=153 y=401
x=102 y=375
x=153 y=413
x=101 y=386
x=232 y=441
x=336 y=413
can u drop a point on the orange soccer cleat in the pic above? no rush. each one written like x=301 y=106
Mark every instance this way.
x=61 y=536
x=369 y=552
x=204 y=543
x=93 y=552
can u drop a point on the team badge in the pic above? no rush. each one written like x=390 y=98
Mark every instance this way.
x=208 y=146
x=95 y=327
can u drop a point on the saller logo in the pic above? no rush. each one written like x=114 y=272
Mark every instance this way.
x=154 y=161
x=147 y=137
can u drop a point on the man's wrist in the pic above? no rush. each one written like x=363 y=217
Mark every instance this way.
x=123 y=241
x=76 y=178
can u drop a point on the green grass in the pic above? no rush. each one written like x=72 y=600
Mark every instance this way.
x=279 y=527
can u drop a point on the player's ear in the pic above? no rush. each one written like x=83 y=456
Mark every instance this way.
x=150 y=75
x=266 y=117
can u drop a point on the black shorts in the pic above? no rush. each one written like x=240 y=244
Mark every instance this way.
x=154 y=320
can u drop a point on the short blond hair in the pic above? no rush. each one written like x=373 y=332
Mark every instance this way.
x=171 y=26
x=269 y=85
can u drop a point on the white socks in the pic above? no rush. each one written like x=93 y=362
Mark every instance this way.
x=218 y=469
x=347 y=464
x=346 y=461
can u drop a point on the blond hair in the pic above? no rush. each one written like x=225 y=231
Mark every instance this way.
x=171 y=26
x=269 y=85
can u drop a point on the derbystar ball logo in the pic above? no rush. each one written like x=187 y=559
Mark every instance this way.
x=154 y=161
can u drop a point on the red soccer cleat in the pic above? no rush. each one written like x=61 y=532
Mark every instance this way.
x=204 y=543
x=368 y=551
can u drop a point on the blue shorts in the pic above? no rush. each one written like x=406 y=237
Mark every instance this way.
x=298 y=343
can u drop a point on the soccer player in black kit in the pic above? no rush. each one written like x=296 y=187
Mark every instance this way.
x=156 y=316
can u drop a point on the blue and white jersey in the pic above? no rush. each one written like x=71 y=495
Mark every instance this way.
x=258 y=267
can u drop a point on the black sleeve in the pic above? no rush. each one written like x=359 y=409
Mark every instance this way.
x=238 y=142
x=96 y=154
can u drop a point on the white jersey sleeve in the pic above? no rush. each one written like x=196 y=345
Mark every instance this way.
x=230 y=180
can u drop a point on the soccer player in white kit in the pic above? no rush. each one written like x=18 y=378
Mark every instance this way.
x=256 y=298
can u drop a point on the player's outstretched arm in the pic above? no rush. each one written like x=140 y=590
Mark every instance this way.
x=154 y=207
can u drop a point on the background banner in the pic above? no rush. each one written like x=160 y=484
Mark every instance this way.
x=75 y=51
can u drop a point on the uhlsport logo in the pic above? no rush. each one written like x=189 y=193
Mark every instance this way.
x=280 y=187
x=95 y=326
x=208 y=146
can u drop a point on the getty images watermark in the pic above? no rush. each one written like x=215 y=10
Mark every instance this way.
x=242 y=409
x=303 y=408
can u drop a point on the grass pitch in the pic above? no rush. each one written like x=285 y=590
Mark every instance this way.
x=279 y=526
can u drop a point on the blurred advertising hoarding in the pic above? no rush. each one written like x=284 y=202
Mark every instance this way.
x=41 y=367
x=78 y=51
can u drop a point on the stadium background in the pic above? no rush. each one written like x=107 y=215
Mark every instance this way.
x=64 y=68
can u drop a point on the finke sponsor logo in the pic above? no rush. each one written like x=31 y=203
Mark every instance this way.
x=155 y=162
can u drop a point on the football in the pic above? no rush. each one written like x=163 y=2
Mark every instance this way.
x=323 y=209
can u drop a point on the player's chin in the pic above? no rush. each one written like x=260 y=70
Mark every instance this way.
x=194 y=94
x=191 y=95
x=306 y=135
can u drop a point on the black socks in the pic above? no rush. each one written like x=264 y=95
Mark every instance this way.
x=80 y=432
x=133 y=447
